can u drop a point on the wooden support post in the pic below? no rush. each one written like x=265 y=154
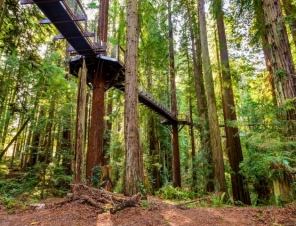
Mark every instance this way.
x=80 y=125
x=176 y=156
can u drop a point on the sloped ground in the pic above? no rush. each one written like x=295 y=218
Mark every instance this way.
x=156 y=213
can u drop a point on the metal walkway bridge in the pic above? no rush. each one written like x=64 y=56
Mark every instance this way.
x=69 y=17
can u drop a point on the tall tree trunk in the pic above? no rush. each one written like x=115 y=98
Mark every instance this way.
x=66 y=148
x=1 y=2
x=176 y=151
x=211 y=101
x=47 y=147
x=133 y=175
x=80 y=125
x=103 y=20
x=3 y=14
x=95 y=144
x=282 y=64
x=48 y=135
x=267 y=58
x=153 y=141
x=203 y=123
x=290 y=11
x=108 y=128
x=233 y=144
x=193 y=155
x=36 y=140
x=27 y=150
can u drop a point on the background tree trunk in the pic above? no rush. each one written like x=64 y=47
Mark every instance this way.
x=203 y=122
x=290 y=11
x=80 y=125
x=212 y=109
x=233 y=144
x=133 y=175
x=175 y=140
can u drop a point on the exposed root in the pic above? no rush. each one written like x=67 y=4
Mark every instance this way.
x=102 y=199
x=98 y=198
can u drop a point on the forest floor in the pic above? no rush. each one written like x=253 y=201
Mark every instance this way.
x=155 y=212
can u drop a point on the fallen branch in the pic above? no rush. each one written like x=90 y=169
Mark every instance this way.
x=131 y=202
x=195 y=200
x=208 y=198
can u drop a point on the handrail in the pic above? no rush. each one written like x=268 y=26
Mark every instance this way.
x=75 y=9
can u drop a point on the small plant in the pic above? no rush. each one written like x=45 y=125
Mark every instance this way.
x=217 y=200
x=142 y=188
x=96 y=175
x=279 y=201
x=281 y=73
x=144 y=204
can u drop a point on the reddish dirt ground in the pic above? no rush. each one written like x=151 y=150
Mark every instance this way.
x=156 y=213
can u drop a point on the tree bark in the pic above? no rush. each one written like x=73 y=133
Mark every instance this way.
x=95 y=143
x=80 y=125
x=3 y=14
x=193 y=155
x=36 y=137
x=133 y=175
x=282 y=64
x=203 y=123
x=233 y=144
x=95 y=153
x=290 y=11
x=267 y=58
x=175 y=140
x=103 y=20
x=212 y=109
x=108 y=128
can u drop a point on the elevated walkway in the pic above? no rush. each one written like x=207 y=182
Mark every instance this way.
x=69 y=17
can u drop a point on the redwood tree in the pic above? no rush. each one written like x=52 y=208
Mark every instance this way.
x=95 y=152
x=175 y=140
x=281 y=64
x=212 y=108
x=233 y=144
x=133 y=156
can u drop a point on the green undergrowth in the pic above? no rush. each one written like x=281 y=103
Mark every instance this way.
x=171 y=193
x=179 y=196
x=18 y=189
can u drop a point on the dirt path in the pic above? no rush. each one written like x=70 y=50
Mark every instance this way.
x=156 y=213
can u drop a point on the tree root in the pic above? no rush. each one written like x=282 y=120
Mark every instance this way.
x=102 y=199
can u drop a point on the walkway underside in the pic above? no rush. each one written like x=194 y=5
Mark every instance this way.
x=115 y=76
x=114 y=70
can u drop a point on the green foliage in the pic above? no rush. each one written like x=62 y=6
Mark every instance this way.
x=58 y=183
x=96 y=175
x=142 y=188
x=265 y=151
x=169 y=192
x=144 y=204
x=3 y=170
x=280 y=74
x=218 y=201
x=92 y=5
